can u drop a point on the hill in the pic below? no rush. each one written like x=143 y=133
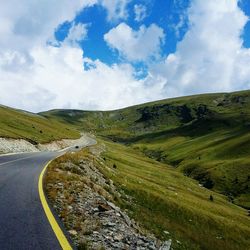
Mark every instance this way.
x=204 y=136
x=19 y=124
x=162 y=200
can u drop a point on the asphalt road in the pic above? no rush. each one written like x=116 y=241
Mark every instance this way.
x=23 y=223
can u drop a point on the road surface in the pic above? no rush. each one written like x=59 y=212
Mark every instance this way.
x=23 y=223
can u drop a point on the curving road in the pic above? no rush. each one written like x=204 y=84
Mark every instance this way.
x=23 y=223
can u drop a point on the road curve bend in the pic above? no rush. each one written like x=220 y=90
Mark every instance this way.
x=23 y=222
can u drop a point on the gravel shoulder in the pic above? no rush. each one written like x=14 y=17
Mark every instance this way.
x=85 y=201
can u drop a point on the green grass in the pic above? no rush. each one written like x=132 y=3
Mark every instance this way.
x=205 y=136
x=165 y=200
x=32 y=127
x=218 y=157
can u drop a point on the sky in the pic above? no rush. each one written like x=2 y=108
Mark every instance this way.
x=109 y=54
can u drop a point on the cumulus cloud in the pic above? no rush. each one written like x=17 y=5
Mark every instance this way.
x=140 y=12
x=116 y=9
x=32 y=22
x=25 y=24
x=59 y=80
x=134 y=45
x=77 y=33
x=36 y=76
x=210 y=58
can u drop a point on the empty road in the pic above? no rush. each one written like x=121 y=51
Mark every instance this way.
x=23 y=223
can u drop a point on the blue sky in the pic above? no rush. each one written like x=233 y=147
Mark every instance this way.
x=170 y=15
x=166 y=14
x=109 y=54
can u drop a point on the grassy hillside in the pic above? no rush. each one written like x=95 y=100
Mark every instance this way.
x=32 y=127
x=161 y=199
x=205 y=136
x=178 y=204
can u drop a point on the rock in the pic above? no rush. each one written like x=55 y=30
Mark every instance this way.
x=126 y=218
x=103 y=207
x=140 y=242
x=96 y=210
x=112 y=205
x=166 y=245
x=166 y=232
x=152 y=246
x=72 y=232
x=110 y=224
x=118 y=237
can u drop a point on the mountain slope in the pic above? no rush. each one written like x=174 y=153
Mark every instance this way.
x=32 y=127
x=159 y=198
x=204 y=136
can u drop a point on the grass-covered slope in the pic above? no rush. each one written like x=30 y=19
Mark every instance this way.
x=32 y=127
x=205 y=136
x=165 y=200
x=161 y=199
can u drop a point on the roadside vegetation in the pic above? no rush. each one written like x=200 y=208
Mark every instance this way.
x=164 y=201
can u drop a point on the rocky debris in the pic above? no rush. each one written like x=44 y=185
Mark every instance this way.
x=90 y=215
x=166 y=245
x=8 y=145
x=19 y=145
x=64 y=143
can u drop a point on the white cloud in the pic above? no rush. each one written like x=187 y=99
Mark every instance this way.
x=210 y=58
x=30 y=22
x=58 y=79
x=117 y=9
x=36 y=76
x=25 y=24
x=134 y=45
x=140 y=12
x=77 y=33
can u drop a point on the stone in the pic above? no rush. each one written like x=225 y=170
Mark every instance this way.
x=140 y=242
x=109 y=224
x=112 y=205
x=72 y=232
x=118 y=237
x=166 y=245
x=103 y=207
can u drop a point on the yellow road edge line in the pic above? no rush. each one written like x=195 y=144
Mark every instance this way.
x=56 y=228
